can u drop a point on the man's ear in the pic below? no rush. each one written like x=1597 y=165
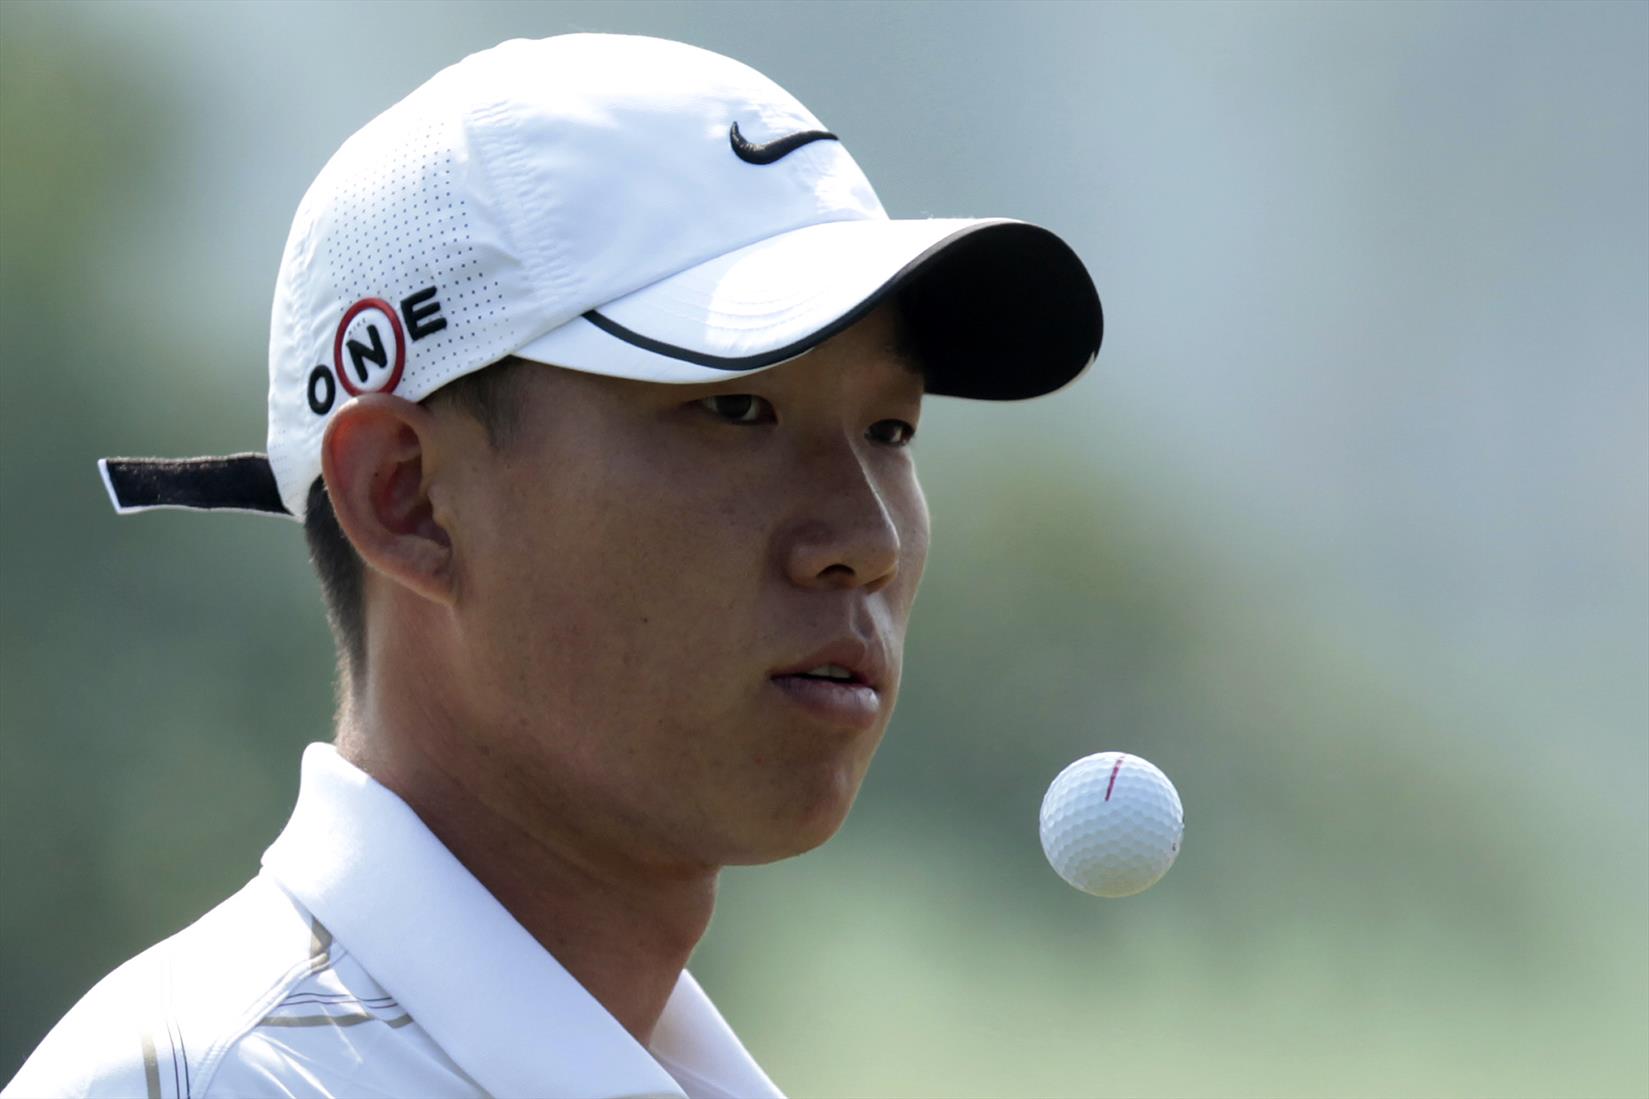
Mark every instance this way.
x=377 y=458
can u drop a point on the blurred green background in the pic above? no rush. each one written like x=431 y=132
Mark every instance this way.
x=1348 y=531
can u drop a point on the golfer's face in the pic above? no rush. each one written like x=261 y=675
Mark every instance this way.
x=642 y=567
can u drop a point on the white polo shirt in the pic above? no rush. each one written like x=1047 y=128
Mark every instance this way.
x=364 y=960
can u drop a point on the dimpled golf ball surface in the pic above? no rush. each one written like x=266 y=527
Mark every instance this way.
x=1111 y=824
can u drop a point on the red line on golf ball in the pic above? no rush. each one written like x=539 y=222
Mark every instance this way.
x=1109 y=786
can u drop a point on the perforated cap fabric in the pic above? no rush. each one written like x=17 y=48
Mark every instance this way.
x=619 y=205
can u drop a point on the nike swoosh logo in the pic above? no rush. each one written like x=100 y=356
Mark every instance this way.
x=768 y=152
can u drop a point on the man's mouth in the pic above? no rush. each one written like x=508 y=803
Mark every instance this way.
x=838 y=688
x=841 y=702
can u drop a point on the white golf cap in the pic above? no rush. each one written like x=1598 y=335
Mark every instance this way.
x=624 y=206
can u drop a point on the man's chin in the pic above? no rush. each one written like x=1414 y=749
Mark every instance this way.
x=761 y=857
x=791 y=833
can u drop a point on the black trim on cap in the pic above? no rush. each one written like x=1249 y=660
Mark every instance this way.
x=235 y=482
x=733 y=363
x=999 y=311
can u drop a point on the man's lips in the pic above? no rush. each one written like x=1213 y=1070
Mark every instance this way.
x=852 y=703
x=840 y=702
x=863 y=662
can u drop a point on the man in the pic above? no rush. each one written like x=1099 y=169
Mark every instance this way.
x=594 y=365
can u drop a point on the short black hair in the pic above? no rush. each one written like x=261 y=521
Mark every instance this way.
x=492 y=396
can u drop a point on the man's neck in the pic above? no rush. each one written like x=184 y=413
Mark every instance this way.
x=624 y=934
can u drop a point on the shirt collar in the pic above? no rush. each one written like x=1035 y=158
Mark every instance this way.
x=500 y=1005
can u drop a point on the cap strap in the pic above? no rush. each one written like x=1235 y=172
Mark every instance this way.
x=235 y=482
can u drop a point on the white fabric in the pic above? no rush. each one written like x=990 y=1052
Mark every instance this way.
x=626 y=206
x=366 y=961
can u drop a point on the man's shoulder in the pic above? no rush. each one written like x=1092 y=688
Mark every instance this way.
x=162 y=1023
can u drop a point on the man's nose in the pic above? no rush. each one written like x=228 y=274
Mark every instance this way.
x=842 y=534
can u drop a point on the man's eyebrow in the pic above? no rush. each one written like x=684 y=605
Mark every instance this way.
x=902 y=346
x=906 y=356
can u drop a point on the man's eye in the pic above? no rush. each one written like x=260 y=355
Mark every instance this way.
x=739 y=408
x=892 y=432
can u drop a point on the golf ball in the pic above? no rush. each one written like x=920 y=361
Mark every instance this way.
x=1111 y=824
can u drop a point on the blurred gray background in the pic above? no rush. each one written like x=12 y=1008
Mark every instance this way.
x=1348 y=531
